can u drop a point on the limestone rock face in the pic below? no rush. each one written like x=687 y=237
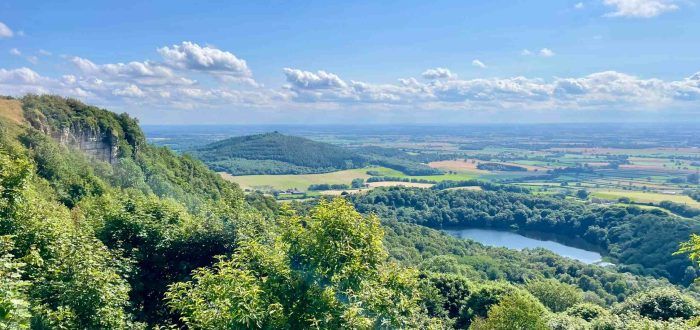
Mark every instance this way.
x=100 y=145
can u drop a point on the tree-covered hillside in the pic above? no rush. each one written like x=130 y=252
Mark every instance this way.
x=155 y=240
x=275 y=153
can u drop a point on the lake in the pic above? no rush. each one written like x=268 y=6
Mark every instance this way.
x=516 y=241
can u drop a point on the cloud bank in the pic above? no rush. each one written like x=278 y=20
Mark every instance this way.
x=190 y=76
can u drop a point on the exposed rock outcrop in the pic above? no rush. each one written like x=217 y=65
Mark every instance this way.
x=96 y=144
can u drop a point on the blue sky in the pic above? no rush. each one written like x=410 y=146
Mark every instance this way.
x=361 y=61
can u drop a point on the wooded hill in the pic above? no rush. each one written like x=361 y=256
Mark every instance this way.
x=275 y=153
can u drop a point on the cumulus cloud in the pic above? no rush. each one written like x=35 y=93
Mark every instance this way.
x=24 y=80
x=438 y=73
x=478 y=64
x=308 y=80
x=44 y=52
x=191 y=56
x=5 y=31
x=525 y=52
x=129 y=91
x=579 y=5
x=147 y=73
x=15 y=52
x=546 y=52
x=639 y=8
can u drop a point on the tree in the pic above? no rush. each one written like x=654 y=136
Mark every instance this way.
x=358 y=183
x=514 y=311
x=555 y=295
x=661 y=304
x=586 y=311
x=582 y=194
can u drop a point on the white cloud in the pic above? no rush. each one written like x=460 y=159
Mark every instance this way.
x=32 y=59
x=146 y=73
x=478 y=63
x=579 y=5
x=129 y=91
x=546 y=52
x=44 y=52
x=639 y=8
x=15 y=52
x=308 y=80
x=191 y=56
x=5 y=31
x=438 y=73
x=525 y=52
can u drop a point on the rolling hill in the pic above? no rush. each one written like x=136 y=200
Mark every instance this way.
x=275 y=153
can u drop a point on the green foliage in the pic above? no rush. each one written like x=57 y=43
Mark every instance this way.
x=694 y=194
x=14 y=302
x=452 y=293
x=326 y=186
x=514 y=311
x=75 y=281
x=555 y=295
x=500 y=167
x=326 y=269
x=357 y=183
x=69 y=173
x=661 y=304
x=560 y=321
x=587 y=311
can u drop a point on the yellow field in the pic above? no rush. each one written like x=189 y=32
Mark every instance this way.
x=299 y=181
x=646 y=197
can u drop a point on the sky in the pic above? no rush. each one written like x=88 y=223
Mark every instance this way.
x=360 y=62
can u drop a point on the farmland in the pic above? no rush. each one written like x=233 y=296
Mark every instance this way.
x=607 y=162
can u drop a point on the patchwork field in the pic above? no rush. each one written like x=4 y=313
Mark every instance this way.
x=301 y=182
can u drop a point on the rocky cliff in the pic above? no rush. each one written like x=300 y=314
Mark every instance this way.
x=100 y=145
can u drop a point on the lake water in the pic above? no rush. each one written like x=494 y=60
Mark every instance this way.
x=516 y=241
